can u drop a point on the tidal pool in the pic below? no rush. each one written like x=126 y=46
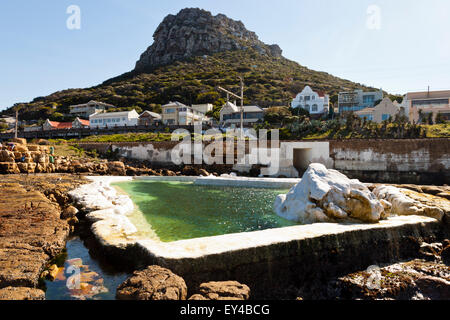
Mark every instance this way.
x=181 y=210
x=83 y=277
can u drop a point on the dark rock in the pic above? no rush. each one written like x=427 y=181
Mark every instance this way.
x=196 y=32
x=116 y=168
x=69 y=212
x=190 y=171
x=445 y=255
x=430 y=252
x=153 y=283
x=226 y=290
x=434 y=288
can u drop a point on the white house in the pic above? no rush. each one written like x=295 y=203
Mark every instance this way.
x=114 y=119
x=316 y=103
x=87 y=109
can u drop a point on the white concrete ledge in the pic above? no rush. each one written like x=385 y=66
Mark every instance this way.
x=208 y=246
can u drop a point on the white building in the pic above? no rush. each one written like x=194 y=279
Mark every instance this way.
x=87 y=109
x=316 y=103
x=353 y=101
x=114 y=119
x=178 y=114
x=418 y=105
x=203 y=108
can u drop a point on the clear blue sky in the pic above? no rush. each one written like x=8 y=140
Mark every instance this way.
x=409 y=51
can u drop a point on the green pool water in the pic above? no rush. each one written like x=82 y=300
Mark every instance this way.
x=179 y=211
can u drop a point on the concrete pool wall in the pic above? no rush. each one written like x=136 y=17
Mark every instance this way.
x=271 y=261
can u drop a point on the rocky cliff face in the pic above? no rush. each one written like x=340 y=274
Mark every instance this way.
x=196 y=32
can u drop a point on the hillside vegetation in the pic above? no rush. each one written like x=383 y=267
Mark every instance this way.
x=269 y=81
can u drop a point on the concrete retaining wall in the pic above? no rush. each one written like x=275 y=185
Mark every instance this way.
x=421 y=161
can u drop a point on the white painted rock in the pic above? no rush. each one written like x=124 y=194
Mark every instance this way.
x=403 y=205
x=327 y=196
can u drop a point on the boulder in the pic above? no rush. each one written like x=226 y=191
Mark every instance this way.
x=20 y=148
x=21 y=293
x=69 y=212
x=153 y=283
x=6 y=156
x=189 y=171
x=404 y=205
x=26 y=167
x=34 y=148
x=9 y=168
x=116 y=168
x=21 y=141
x=327 y=196
x=226 y=290
x=43 y=142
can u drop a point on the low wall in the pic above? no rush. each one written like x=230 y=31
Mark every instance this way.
x=421 y=161
x=273 y=261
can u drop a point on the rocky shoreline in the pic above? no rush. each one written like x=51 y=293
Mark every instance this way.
x=33 y=230
x=37 y=216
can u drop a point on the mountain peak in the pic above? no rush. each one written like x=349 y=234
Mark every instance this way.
x=196 y=32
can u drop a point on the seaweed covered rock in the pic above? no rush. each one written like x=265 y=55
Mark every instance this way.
x=153 y=283
x=326 y=196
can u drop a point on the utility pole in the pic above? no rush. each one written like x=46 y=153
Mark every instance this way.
x=17 y=122
x=242 y=107
x=229 y=93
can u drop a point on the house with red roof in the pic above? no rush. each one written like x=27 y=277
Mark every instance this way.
x=54 y=125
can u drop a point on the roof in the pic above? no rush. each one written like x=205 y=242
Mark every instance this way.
x=153 y=114
x=172 y=104
x=92 y=102
x=84 y=122
x=60 y=125
x=112 y=114
x=428 y=95
x=252 y=109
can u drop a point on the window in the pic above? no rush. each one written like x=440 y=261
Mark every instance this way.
x=169 y=111
x=307 y=98
x=307 y=108
x=369 y=99
x=385 y=117
x=428 y=102
x=315 y=108
x=313 y=98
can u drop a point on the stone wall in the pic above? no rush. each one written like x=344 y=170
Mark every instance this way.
x=421 y=161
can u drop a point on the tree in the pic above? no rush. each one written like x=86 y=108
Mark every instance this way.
x=440 y=119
